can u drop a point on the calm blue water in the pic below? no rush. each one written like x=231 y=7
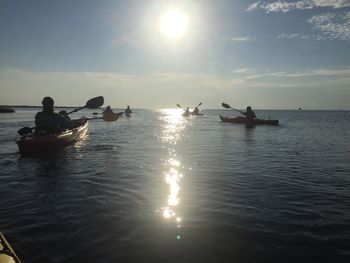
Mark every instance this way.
x=157 y=187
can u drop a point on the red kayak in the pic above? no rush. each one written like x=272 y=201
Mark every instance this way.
x=111 y=116
x=35 y=143
x=242 y=120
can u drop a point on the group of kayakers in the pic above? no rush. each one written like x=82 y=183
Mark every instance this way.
x=50 y=121
x=187 y=112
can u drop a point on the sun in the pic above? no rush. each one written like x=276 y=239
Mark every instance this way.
x=174 y=24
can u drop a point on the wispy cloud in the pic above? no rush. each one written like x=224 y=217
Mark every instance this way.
x=293 y=36
x=302 y=36
x=242 y=39
x=283 y=6
x=341 y=73
x=333 y=26
x=243 y=70
x=156 y=88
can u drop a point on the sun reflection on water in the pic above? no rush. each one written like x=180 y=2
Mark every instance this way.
x=173 y=125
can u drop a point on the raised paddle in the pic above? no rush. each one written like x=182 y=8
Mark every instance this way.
x=181 y=107
x=93 y=103
x=229 y=107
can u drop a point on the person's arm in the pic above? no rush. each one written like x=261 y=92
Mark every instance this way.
x=63 y=122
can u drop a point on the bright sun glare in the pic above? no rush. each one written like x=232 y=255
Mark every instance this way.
x=174 y=24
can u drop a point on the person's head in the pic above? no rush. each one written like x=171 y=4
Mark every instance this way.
x=108 y=107
x=128 y=107
x=196 y=108
x=48 y=105
x=249 y=108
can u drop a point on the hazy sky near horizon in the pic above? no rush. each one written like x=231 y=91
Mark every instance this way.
x=267 y=54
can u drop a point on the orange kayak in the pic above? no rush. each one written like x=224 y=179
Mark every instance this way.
x=35 y=143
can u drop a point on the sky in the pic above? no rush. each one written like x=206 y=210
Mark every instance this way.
x=267 y=54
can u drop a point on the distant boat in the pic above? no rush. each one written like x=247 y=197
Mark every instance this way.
x=299 y=109
x=6 y=110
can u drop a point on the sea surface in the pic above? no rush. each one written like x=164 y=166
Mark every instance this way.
x=158 y=187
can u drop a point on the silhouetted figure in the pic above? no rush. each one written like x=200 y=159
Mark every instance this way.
x=50 y=121
x=249 y=114
x=195 y=111
x=108 y=110
x=128 y=111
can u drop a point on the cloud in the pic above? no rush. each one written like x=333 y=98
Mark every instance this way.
x=333 y=26
x=284 y=7
x=294 y=36
x=339 y=73
x=301 y=36
x=242 y=39
x=243 y=70
x=156 y=89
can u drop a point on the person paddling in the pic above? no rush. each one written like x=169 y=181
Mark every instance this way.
x=128 y=111
x=249 y=115
x=195 y=111
x=108 y=110
x=48 y=120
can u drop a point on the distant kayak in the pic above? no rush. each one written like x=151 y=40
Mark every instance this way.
x=196 y=114
x=111 y=116
x=186 y=114
x=242 y=120
x=35 y=143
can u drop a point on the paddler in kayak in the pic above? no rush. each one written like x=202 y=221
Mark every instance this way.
x=249 y=115
x=48 y=120
x=108 y=111
x=128 y=111
x=195 y=111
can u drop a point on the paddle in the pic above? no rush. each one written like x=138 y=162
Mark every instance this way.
x=97 y=113
x=93 y=103
x=181 y=107
x=229 y=107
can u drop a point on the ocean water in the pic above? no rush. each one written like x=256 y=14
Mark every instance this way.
x=158 y=187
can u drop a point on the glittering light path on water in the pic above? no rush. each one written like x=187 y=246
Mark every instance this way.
x=172 y=131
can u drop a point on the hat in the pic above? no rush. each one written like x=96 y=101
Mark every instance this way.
x=47 y=101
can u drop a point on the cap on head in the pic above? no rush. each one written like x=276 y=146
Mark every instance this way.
x=47 y=101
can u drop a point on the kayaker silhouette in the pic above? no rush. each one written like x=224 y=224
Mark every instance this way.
x=249 y=114
x=48 y=120
x=195 y=111
x=108 y=110
x=128 y=111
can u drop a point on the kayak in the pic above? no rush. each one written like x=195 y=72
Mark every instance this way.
x=35 y=143
x=111 y=116
x=128 y=114
x=7 y=255
x=242 y=120
x=188 y=114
